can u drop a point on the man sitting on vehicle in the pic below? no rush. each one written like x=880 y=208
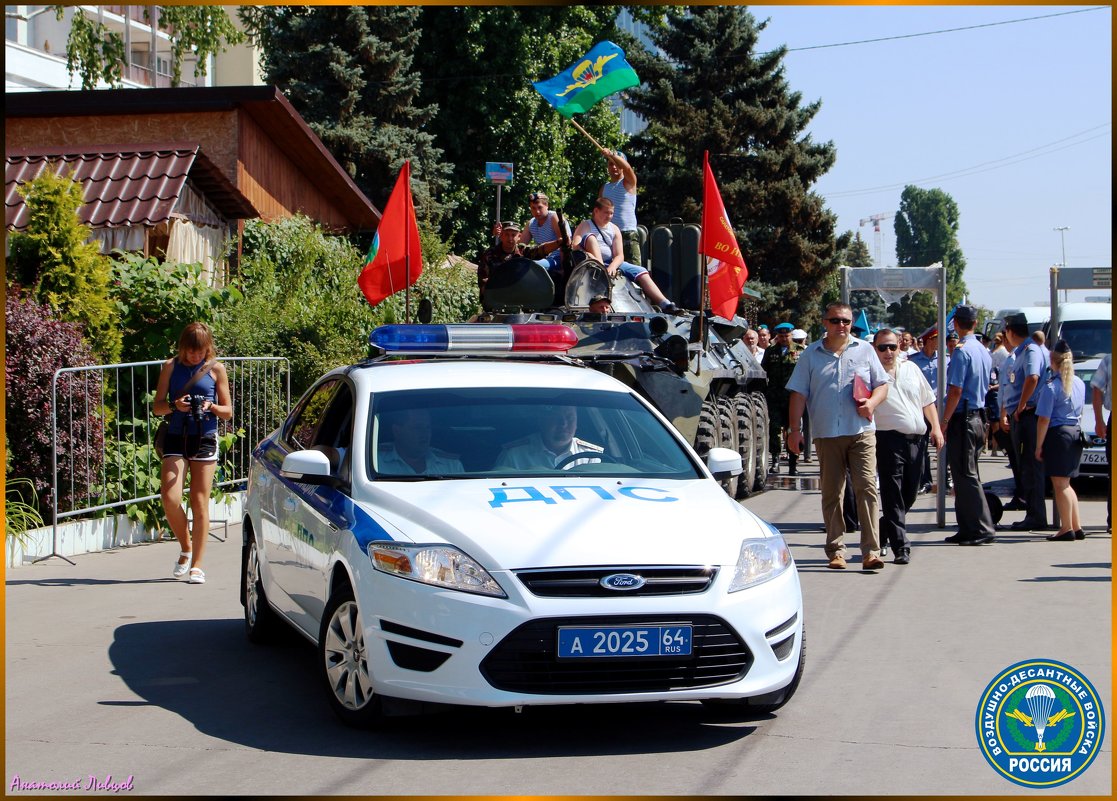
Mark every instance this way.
x=544 y=228
x=509 y=247
x=547 y=447
x=410 y=452
x=600 y=239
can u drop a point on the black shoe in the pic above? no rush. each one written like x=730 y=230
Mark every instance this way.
x=957 y=538
x=924 y=489
x=987 y=539
x=1015 y=505
x=1066 y=536
x=773 y=469
x=669 y=308
x=903 y=556
x=1079 y=534
x=1024 y=525
x=884 y=550
x=792 y=470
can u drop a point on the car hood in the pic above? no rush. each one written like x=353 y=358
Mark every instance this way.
x=515 y=524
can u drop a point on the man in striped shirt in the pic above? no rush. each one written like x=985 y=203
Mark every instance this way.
x=621 y=189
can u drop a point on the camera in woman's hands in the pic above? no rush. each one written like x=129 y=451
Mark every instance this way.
x=197 y=407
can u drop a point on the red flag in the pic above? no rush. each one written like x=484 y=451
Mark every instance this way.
x=395 y=259
x=728 y=272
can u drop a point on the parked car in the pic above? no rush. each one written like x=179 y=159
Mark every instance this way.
x=404 y=520
x=1094 y=461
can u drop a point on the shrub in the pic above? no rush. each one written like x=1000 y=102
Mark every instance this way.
x=62 y=269
x=156 y=300
x=37 y=345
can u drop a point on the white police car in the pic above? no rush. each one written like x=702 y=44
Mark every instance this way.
x=412 y=518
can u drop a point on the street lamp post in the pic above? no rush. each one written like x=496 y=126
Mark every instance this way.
x=1062 y=229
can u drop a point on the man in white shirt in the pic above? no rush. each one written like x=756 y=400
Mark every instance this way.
x=902 y=419
x=410 y=452
x=551 y=445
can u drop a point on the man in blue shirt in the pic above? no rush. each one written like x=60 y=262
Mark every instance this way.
x=824 y=381
x=967 y=381
x=927 y=360
x=1029 y=371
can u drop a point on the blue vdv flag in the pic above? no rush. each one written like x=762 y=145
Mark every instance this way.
x=601 y=72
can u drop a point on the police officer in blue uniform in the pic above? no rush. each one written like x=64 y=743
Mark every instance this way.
x=1029 y=373
x=967 y=382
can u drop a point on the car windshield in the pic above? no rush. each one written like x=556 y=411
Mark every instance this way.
x=1088 y=339
x=494 y=432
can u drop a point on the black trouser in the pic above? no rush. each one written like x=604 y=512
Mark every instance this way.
x=777 y=426
x=965 y=436
x=1108 y=472
x=849 y=507
x=1004 y=442
x=900 y=468
x=1032 y=475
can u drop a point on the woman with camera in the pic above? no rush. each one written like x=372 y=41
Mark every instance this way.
x=193 y=389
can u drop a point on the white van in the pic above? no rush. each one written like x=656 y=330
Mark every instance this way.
x=1038 y=317
x=1087 y=328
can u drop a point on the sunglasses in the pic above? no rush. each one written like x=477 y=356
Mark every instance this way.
x=883 y=348
x=839 y=321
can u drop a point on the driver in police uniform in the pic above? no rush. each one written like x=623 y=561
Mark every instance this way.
x=547 y=447
x=410 y=453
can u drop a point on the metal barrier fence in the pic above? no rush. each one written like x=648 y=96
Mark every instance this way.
x=103 y=429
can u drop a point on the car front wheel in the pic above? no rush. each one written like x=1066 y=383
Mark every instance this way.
x=260 y=620
x=343 y=662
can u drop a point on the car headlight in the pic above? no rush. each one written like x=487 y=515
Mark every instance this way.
x=440 y=565
x=760 y=560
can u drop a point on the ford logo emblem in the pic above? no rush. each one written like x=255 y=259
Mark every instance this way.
x=623 y=581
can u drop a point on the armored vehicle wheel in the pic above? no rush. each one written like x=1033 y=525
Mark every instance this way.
x=760 y=425
x=727 y=423
x=707 y=435
x=742 y=406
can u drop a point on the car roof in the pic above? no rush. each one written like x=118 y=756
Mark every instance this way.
x=392 y=375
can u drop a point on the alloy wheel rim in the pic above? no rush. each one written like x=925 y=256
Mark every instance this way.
x=346 y=659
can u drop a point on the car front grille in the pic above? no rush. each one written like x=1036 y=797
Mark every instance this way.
x=585 y=582
x=526 y=660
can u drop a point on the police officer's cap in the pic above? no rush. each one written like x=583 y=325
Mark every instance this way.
x=967 y=315
x=1016 y=319
x=952 y=335
x=798 y=334
x=779 y=329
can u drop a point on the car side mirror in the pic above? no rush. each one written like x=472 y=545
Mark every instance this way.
x=308 y=467
x=723 y=463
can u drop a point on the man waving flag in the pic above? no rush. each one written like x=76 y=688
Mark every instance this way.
x=395 y=259
x=727 y=269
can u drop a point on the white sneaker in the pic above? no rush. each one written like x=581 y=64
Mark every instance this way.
x=181 y=569
x=197 y=576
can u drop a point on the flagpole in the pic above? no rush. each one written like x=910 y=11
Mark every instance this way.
x=703 y=287
x=404 y=220
x=587 y=133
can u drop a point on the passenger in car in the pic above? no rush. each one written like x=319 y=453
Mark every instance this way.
x=410 y=452
x=553 y=442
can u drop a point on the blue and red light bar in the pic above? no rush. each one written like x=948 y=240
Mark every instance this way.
x=473 y=338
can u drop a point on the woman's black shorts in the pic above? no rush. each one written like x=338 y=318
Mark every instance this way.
x=192 y=447
x=1062 y=451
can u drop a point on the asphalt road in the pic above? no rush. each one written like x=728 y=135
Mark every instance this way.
x=114 y=669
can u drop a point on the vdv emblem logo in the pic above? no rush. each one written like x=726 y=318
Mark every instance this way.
x=623 y=581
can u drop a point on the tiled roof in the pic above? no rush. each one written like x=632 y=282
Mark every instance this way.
x=124 y=185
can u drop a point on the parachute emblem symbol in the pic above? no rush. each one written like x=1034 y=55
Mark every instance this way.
x=1039 y=699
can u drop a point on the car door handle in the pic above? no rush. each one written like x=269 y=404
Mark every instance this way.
x=290 y=504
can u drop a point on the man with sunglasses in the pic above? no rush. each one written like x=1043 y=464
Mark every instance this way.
x=824 y=382
x=906 y=416
x=967 y=381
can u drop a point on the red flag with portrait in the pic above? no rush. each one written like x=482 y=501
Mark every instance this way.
x=727 y=269
x=395 y=259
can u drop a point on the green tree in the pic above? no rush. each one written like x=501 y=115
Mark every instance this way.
x=927 y=232
x=708 y=89
x=349 y=72
x=96 y=52
x=55 y=261
x=479 y=63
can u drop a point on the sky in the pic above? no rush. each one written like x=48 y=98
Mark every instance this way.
x=1013 y=121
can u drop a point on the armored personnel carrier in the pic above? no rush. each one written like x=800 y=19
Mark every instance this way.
x=692 y=366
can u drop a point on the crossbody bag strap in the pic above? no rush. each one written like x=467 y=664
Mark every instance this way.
x=195 y=378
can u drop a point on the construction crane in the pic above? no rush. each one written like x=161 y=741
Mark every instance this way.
x=875 y=220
